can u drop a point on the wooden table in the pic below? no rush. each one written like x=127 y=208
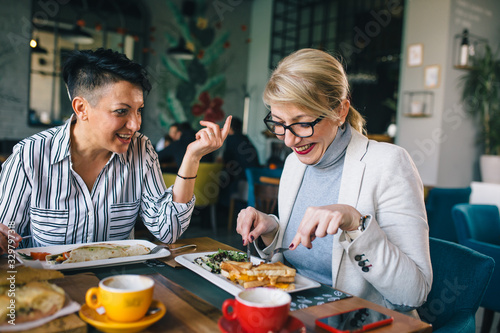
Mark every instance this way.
x=194 y=304
x=269 y=180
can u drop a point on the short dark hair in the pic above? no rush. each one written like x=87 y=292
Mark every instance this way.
x=86 y=70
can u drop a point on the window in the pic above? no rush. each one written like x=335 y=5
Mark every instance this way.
x=365 y=34
x=79 y=24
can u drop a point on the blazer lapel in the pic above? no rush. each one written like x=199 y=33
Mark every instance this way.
x=290 y=182
x=352 y=175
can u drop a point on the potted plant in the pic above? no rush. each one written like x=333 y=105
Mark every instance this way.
x=481 y=97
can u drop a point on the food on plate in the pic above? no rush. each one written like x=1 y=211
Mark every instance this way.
x=25 y=274
x=212 y=262
x=38 y=255
x=248 y=275
x=34 y=300
x=97 y=252
x=32 y=296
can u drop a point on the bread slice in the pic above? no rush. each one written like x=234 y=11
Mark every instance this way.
x=25 y=274
x=34 y=300
x=275 y=275
x=272 y=269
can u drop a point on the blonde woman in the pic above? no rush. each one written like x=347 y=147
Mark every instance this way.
x=351 y=210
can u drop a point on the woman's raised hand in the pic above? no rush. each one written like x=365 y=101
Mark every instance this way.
x=208 y=139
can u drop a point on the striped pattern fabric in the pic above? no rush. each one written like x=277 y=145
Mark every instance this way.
x=40 y=194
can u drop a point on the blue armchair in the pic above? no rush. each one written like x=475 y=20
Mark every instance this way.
x=478 y=227
x=439 y=204
x=461 y=276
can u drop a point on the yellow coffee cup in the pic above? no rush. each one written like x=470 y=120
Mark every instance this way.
x=125 y=298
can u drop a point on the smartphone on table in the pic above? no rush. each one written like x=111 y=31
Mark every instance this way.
x=354 y=321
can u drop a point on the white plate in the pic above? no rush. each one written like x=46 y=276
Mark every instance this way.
x=187 y=260
x=94 y=263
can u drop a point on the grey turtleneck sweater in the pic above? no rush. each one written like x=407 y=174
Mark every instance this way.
x=320 y=187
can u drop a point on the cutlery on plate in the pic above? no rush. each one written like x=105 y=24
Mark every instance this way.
x=157 y=248
x=152 y=310
x=275 y=251
x=249 y=252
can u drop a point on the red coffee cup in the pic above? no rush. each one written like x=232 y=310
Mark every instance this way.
x=259 y=310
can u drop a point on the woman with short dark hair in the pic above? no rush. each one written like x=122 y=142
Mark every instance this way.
x=90 y=179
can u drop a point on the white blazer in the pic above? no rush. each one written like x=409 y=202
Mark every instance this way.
x=379 y=179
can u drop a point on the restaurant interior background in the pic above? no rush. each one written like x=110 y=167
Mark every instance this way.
x=244 y=39
x=400 y=56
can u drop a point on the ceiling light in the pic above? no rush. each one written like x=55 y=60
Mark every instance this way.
x=36 y=48
x=180 y=51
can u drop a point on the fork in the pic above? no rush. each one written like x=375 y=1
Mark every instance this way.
x=157 y=248
x=249 y=252
x=275 y=251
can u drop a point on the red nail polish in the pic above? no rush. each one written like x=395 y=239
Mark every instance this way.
x=252 y=238
x=290 y=246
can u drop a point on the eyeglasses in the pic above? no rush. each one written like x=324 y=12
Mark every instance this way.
x=302 y=129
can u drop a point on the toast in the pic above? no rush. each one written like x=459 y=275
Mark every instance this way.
x=248 y=275
x=32 y=297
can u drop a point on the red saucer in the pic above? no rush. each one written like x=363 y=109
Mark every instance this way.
x=233 y=326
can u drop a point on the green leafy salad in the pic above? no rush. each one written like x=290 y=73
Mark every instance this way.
x=212 y=261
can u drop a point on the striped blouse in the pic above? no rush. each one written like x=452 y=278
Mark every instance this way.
x=41 y=194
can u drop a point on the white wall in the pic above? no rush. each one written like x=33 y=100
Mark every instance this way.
x=258 y=71
x=443 y=145
x=15 y=33
x=426 y=23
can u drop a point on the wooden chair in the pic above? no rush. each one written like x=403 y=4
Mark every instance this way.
x=266 y=198
x=206 y=188
x=267 y=192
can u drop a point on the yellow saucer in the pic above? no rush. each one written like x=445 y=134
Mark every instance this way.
x=104 y=324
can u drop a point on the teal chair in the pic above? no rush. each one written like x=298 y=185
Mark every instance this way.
x=478 y=227
x=461 y=276
x=253 y=178
x=438 y=204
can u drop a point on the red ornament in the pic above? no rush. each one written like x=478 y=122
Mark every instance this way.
x=98 y=27
x=244 y=27
x=121 y=30
x=80 y=23
x=200 y=54
x=227 y=45
x=211 y=108
x=248 y=40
